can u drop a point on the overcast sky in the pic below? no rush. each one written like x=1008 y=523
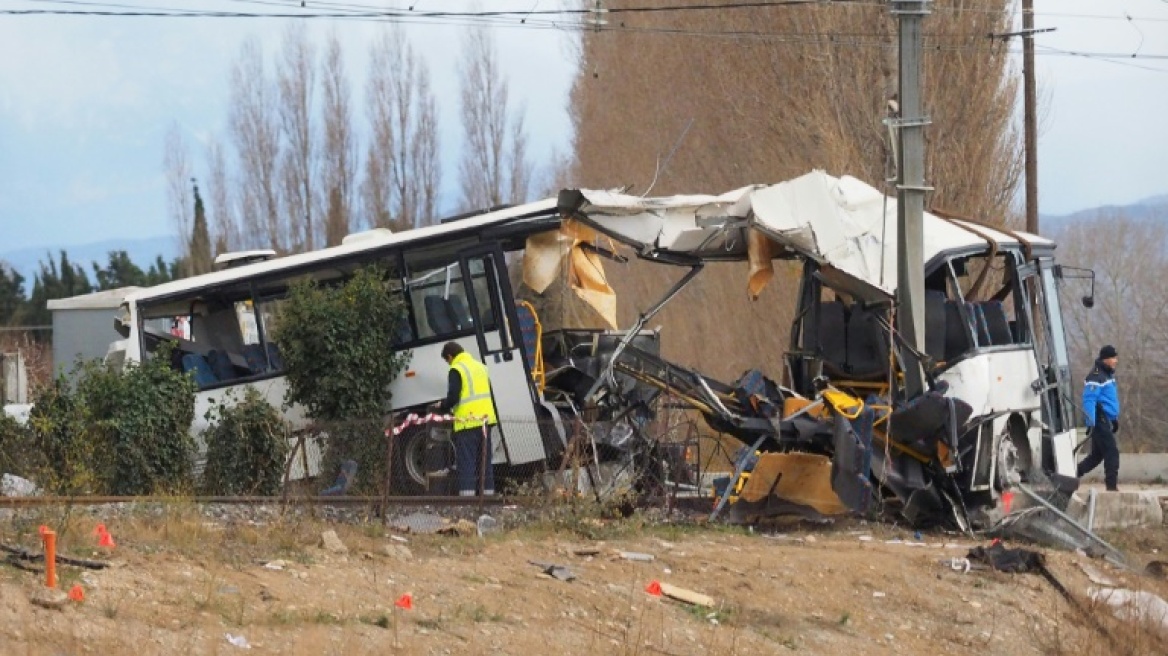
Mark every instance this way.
x=85 y=102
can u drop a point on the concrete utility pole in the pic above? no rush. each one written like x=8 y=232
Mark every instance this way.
x=910 y=193
x=1030 y=101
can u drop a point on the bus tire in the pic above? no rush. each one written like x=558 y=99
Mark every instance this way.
x=409 y=463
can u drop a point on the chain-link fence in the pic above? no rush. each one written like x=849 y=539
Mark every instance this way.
x=426 y=456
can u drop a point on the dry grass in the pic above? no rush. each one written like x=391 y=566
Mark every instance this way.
x=187 y=580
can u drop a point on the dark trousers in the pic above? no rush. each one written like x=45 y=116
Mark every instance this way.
x=1105 y=450
x=468 y=455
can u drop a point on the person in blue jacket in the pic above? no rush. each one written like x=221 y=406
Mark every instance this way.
x=1101 y=405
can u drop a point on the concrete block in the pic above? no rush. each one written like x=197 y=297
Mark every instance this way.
x=1118 y=509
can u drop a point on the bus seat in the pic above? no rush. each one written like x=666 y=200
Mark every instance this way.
x=438 y=315
x=256 y=362
x=867 y=345
x=221 y=364
x=996 y=323
x=832 y=337
x=459 y=313
x=979 y=324
x=274 y=356
x=201 y=370
x=532 y=333
x=958 y=336
x=935 y=331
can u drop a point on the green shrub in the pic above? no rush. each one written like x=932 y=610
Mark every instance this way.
x=142 y=419
x=104 y=431
x=337 y=348
x=17 y=455
x=60 y=431
x=247 y=447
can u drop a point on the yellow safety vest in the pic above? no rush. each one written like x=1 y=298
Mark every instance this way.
x=474 y=401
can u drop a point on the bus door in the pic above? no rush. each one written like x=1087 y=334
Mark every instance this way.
x=491 y=310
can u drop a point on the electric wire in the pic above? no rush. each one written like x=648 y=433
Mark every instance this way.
x=521 y=18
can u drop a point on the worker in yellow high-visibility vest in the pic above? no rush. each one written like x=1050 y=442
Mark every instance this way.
x=468 y=395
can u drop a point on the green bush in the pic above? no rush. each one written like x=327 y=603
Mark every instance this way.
x=247 y=447
x=337 y=348
x=17 y=454
x=60 y=431
x=104 y=431
x=142 y=418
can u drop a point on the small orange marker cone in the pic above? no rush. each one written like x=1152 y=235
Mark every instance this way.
x=76 y=593
x=654 y=588
x=106 y=540
x=405 y=602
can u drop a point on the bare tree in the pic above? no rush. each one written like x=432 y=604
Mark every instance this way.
x=705 y=109
x=339 y=149
x=402 y=168
x=177 y=166
x=224 y=231
x=256 y=135
x=494 y=167
x=1131 y=307
x=296 y=75
x=426 y=166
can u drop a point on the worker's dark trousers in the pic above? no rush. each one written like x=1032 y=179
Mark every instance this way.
x=1103 y=449
x=467 y=456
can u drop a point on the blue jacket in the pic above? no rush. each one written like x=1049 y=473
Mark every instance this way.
x=1100 y=394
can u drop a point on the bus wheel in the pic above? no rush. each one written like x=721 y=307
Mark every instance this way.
x=410 y=462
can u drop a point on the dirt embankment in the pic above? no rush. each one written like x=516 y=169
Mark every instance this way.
x=185 y=585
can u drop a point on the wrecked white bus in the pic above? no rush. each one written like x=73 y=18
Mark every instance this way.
x=836 y=431
x=455 y=282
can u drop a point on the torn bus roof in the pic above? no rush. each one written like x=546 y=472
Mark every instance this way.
x=842 y=223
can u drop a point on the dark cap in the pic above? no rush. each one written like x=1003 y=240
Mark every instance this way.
x=1108 y=352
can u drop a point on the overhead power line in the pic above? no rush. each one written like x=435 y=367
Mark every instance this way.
x=940 y=42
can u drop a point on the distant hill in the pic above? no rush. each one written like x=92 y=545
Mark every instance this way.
x=1155 y=206
x=142 y=252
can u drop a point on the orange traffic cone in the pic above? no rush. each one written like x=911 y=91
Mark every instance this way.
x=654 y=588
x=76 y=593
x=105 y=539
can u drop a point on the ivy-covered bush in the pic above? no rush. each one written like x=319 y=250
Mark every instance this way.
x=247 y=446
x=142 y=416
x=17 y=456
x=105 y=431
x=336 y=343
x=60 y=432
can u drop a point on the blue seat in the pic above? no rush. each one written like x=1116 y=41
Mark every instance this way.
x=527 y=329
x=221 y=364
x=254 y=355
x=438 y=316
x=997 y=324
x=532 y=332
x=257 y=363
x=200 y=369
x=274 y=357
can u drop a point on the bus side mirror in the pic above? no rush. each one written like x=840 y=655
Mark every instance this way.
x=1061 y=271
